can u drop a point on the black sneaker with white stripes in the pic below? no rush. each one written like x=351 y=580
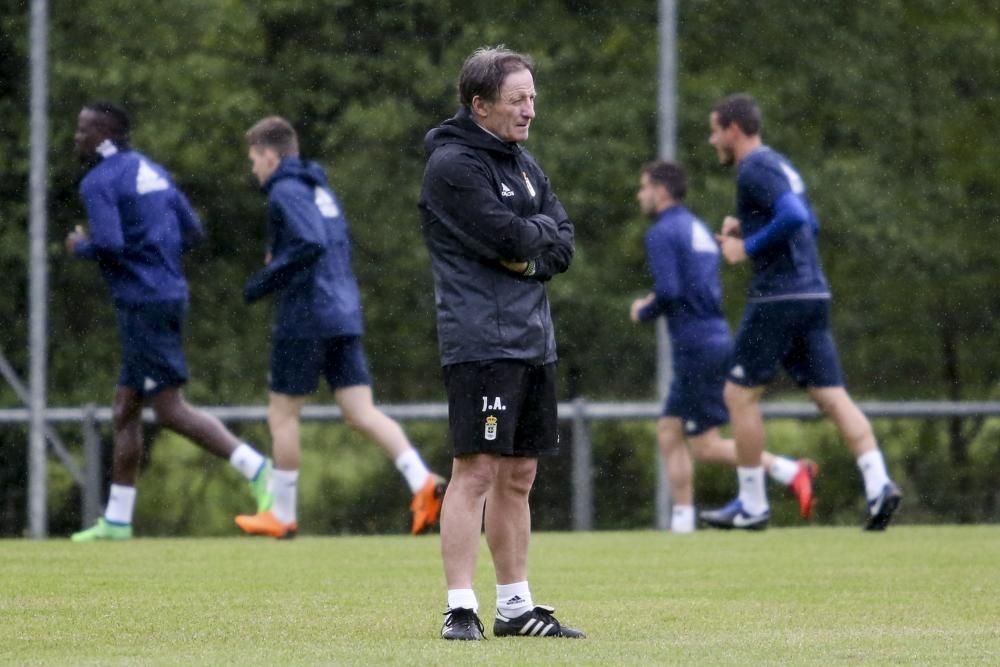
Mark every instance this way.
x=539 y=622
x=462 y=623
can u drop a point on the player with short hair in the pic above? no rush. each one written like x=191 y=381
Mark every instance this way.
x=140 y=225
x=317 y=329
x=787 y=318
x=683 y=259
x=495 y=232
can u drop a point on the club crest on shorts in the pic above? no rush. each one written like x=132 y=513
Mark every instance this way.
x=491 y=428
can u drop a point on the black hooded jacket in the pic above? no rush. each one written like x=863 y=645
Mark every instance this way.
x=483 y=201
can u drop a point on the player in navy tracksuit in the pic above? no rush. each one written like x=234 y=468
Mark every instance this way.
x=684 y=260
x=787 y=318
x=317 y=329
x=140 y=224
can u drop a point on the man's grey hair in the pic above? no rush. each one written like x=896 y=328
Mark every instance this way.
x=484 y=72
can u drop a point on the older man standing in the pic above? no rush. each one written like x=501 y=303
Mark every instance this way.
x=496 y=233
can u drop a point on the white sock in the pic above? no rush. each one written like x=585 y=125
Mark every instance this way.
x=247 y=460
x=284 y=487
x=682 y=519
x=413 y=469
x=121 y=503
x=783 y=470
x=514 y=599
x=873 y=470
x=464 y=598
x=752 y=493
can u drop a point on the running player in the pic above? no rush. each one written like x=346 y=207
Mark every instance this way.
x=787 y=318
x=140 y=225
x=318 y=328
x=684 y=260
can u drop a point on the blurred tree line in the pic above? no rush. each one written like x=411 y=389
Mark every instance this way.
x=887 y=108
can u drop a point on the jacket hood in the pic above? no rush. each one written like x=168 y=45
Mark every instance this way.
x=461 y=129
x=309 y=173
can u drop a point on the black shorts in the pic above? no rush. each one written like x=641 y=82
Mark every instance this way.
x=503 y=407
x=297 y=363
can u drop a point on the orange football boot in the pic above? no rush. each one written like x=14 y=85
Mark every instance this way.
x=265 y=523
x=802 y=487
x=426 y=504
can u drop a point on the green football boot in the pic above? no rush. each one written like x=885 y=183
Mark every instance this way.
x=261 y=487
x=102 y=530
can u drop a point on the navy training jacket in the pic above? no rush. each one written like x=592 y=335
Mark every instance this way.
x=789 y=267
x=310 y=250
x=683 y=259
x=140 y=226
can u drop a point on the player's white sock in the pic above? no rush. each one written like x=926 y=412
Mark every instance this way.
x=682 y=519
x=514 y=599
x=462 y=597
x=247 y=460
x=752 y=493
x=783 y=470
x=872 y=467
x=413 y=469
x=121 y=503
x=284 y=488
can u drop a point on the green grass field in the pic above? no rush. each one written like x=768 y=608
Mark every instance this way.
x=818 y=596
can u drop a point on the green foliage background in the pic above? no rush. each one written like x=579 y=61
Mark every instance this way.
x=887 y=108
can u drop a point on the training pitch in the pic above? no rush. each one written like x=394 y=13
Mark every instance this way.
x=804 y=596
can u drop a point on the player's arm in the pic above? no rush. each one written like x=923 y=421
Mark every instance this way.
x=106 y=240
x=662 y=259
x=731 y=226
x=768 y=189
x=790 y=214
x=731 y=240
x=638 y=305
x=461 y=195
x=302 y=245
x=192 y=232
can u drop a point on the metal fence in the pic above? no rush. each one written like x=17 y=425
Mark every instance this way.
x=579 y=413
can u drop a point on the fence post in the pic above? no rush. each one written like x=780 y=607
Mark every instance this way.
x=91 y=466
x=583 y=473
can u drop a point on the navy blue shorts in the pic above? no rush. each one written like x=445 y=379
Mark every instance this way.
x=695 y=396
x=503 y=407
x=152 y=351
x=297 y=363
x=794 y=334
